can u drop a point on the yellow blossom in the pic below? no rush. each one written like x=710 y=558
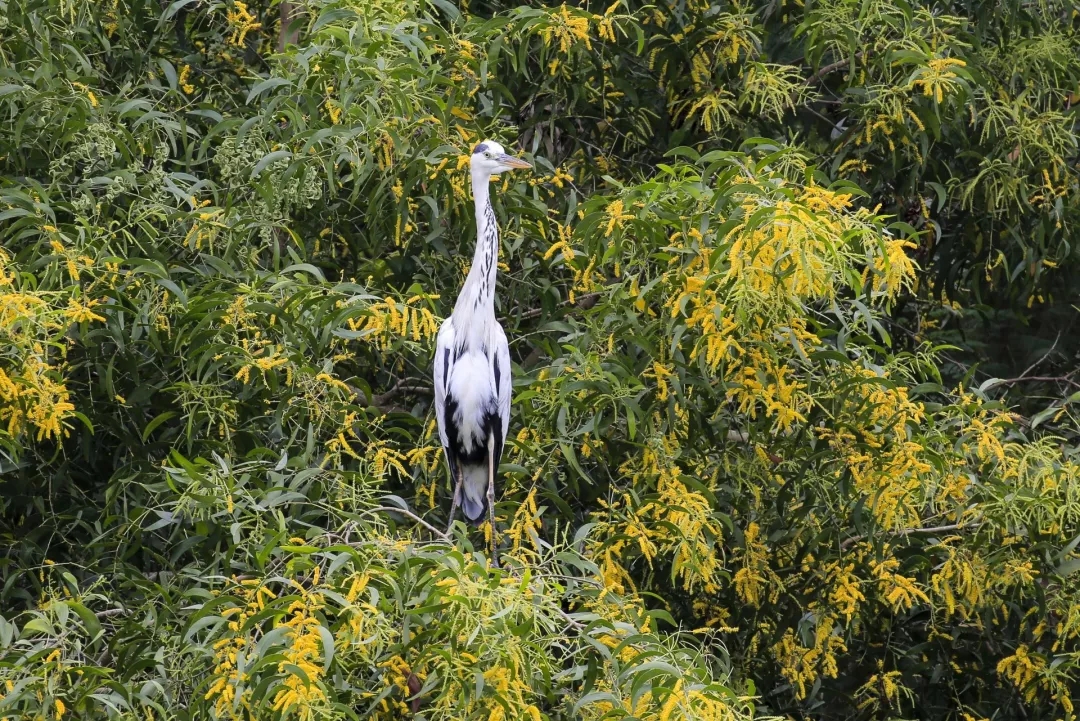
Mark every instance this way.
x=79 y=312
x=566 y=29
x=242 y=22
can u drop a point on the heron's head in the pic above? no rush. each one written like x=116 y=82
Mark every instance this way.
x=489 y=158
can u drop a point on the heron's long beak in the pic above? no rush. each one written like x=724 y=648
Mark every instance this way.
x=513 y=162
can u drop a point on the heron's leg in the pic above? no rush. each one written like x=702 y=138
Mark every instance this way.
x=456 y=502
x=491 y=501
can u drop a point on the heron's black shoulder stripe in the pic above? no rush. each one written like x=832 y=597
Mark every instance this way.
x=496 y=359
x=480 y=148
x=446 y=367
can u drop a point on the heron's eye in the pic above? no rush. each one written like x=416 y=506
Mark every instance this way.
x=487 y=155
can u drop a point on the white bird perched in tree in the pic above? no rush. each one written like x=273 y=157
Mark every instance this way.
x=472 y=360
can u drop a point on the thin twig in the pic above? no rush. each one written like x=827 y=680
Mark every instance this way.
x=575 y=579
x=110 y=612
x=574 y=623
x=1047 y=379
x=410 y=514
x=847 y=543
x=1044 y=357
x=583 y=303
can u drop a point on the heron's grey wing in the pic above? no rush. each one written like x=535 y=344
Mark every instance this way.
x=444 y=366
x=502 y=379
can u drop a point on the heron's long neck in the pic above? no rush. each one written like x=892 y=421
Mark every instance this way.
x=478 y=293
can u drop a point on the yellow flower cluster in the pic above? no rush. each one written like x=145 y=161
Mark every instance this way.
x=339 y=442
x=616 y=217
x=525 y=528
x=565 y=29
x=715 y=108
x=882 y=691
x=756 y=577
x=20 y=313
x=384 y=151
x=226 y=678
x=79 y=312
x=265 y=363
x=845 y=593
x=390 y=320
x=382 y=457
x=242 y=22
x=333 y=106
x=895 y=474
x=758 y=381
x=678 y=522
x=205 y=228
x=89 y=94
x=937 y=77
x=791 y=257
x=301 y=665
x=802 y=666
x=44 y=401
x=32 y=393
x=361 y=617
x=898 y=590
x=893 y=270
x=565 y=233
x=605 y=24
x=960 y=581
x=184 y=80
x=1021 y=669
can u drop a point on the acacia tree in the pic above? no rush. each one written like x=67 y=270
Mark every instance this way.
x=743 y=481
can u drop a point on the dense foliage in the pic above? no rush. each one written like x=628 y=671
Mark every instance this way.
x=789 y=295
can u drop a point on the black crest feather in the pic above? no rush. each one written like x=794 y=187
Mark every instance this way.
x=480 y=148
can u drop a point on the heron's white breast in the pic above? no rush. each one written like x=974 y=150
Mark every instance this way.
x=473 y=387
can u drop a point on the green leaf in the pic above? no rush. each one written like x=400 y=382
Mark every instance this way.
x=157 y=421
x=268 y=159
x=265 y=85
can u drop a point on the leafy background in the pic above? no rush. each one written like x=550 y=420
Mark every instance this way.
x=790 y=298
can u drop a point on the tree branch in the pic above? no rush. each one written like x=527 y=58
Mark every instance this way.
x=1044 y=357
x=1048 y=379
x=832 y=67
x=847 y=543
x=111 y=612
x=382 y=398
x=410 y=514
x=583 y=303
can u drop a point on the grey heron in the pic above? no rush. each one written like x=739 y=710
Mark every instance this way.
x=472 y=360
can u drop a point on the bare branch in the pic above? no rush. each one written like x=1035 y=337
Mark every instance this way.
x=583 y=303
x=1047 y=379
x=1044 y=357
x=831 y=67
x=413 y=516
x=849 y=542
x=382 y=398
x=111 y=612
